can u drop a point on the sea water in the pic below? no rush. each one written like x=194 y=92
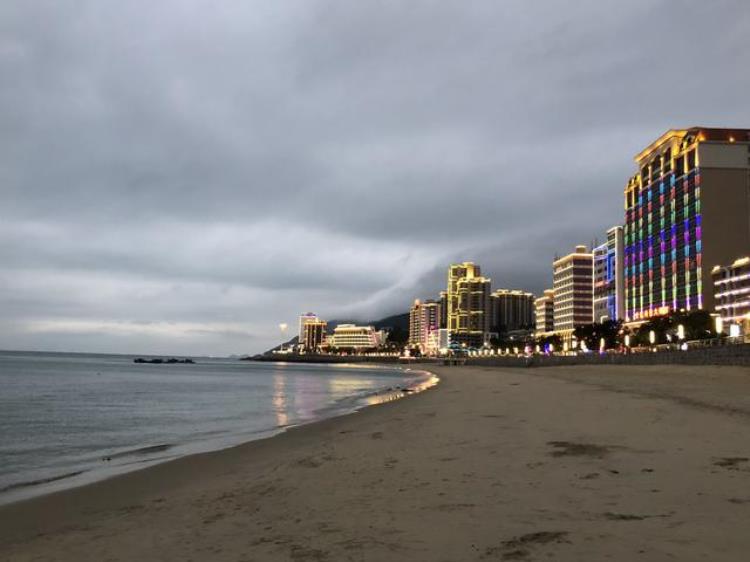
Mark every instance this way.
x=67 y=419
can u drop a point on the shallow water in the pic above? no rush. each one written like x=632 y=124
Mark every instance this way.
x=66 y=419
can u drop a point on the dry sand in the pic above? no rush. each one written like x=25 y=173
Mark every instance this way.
x=566 y=464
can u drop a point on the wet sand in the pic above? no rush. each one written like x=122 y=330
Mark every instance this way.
x=569 y=464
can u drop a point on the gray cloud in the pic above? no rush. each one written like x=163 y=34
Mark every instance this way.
x=183 y=176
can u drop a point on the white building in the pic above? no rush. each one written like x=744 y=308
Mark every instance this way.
x=357 y=338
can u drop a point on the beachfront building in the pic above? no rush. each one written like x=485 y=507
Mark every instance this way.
x=545 y=313
x=573 y=285
x=304 y=319
x=687 y=210
x=732 y=292
x=511 y=310
x=468 y=296
x=444 y=309
x=609 y=295
x=424 y=323
x=312 y=333
x=349 y=337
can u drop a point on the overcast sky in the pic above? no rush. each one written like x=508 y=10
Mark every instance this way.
x=182 y=176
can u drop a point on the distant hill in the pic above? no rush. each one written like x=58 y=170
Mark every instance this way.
x=397 y=321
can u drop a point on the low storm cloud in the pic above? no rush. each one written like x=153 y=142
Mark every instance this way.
x=181 y=177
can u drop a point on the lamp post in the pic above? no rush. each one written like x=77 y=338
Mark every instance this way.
x=652 y=337
x=719 y=325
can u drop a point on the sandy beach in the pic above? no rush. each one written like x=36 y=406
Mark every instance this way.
x=592 y=463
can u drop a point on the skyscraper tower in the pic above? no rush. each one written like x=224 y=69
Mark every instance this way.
x=468 y=296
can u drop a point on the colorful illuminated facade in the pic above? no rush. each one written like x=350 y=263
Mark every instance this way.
x=468 y=297
x=609 y=294
x=686 y=211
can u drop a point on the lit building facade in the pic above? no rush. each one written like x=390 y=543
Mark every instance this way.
x=304 y=319
x=313 y=334
x=686 y=211
x=356 y=338
x=732 y=291
x=424 y=323
x=609 y=294
x=545 y=312
x=573 y=285
x=468 y=297
x=511 y=310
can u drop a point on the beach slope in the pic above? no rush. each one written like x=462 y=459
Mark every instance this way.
x=619 y=463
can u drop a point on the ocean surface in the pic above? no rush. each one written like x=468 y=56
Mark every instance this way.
x=67 y=419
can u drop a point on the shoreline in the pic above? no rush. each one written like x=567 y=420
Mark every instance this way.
x=79 y=478
x=494 y=464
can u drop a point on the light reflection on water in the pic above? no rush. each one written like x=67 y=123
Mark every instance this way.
x=99 y=414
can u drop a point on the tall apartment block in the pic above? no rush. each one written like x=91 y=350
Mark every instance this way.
x=573 y=285
x=311 y=331
x=687 y=210
x=468 y=305
x=424 y=323
x=609 y=291
x=443 y=310
x=511 y=310
x=732 y=291
x=313 y=334
x=545 y=312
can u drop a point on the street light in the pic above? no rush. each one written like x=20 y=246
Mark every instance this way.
x=652 y=337
x=681 y=332
x=627 y=340
x=719 y=324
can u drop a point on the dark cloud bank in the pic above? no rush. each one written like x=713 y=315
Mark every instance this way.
x=181 y=177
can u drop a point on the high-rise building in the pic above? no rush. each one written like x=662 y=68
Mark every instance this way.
x=573 y=286
x=304 y=319
x=424 y=322
x=609 y=295
x=545 y=312
x=468 y=297
x=732 y=291
x=443 y=310
x=686 y=211
x=511 y=310
x=313 y=334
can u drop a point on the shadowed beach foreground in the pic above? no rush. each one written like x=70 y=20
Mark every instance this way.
x=566 y=464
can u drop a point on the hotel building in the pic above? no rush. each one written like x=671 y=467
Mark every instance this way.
x=545 y=313
x=687 y=210
x=313 y=334
x=302 y=336
x=468 y=305
x=356 y=338
x=573 y=286
x=424 y=323
x=609 y=294
x=511 y=310
x=732 y=291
